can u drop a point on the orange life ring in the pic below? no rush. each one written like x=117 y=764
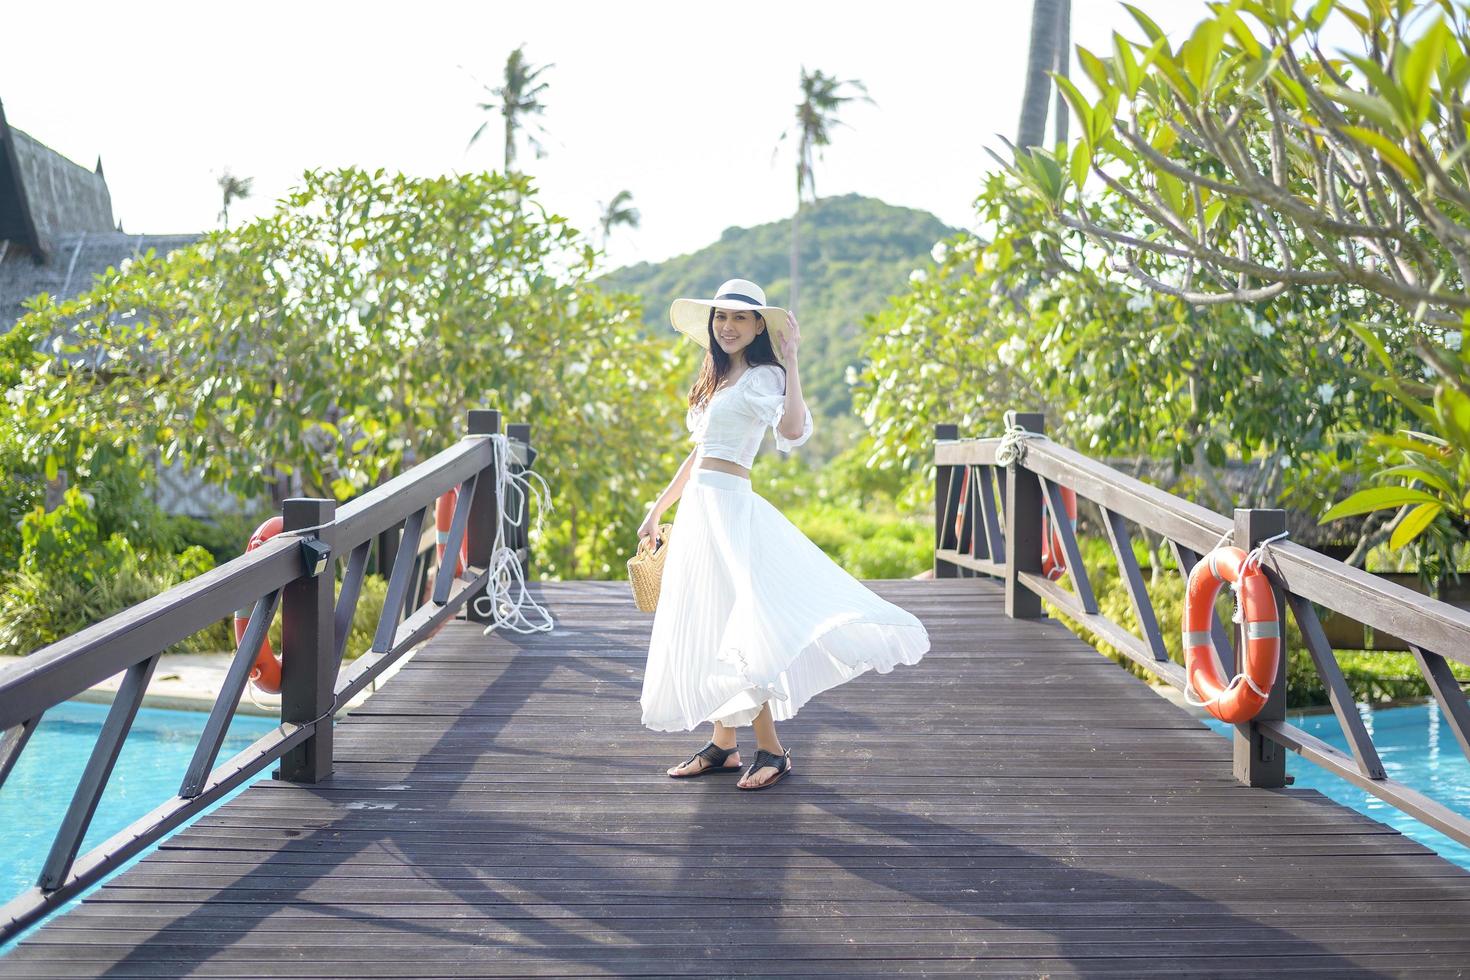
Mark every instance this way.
x=1242 y=698
x=1053 y=554
x=959 y=513
x=443 y=517
x=266 y=674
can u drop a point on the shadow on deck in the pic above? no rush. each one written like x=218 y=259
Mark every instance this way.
x=1015 y=804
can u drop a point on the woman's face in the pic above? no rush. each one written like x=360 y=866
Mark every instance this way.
x=735 y=329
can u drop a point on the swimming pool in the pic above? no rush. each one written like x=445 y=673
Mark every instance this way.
x=148 y=772
x=1417 y=748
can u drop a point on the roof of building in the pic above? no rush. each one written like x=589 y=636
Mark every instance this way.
x=75 y=261
x=44 y=196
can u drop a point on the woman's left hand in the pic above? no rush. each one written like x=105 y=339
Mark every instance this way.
x=791 y=340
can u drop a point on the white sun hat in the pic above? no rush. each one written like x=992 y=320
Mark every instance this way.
x=691 y=316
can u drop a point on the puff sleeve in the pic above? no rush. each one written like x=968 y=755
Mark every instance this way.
x=765 y=398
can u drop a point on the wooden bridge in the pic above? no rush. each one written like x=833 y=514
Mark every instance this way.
x=1013 y=805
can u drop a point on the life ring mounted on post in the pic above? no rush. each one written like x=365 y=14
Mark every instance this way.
x=266 y=674
x=1242 y=697
x=1053 y=553
x=443 y=518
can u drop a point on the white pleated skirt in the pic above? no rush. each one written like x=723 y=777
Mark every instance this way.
x=750 y=611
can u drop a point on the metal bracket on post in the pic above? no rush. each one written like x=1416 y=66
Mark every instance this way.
x=484 y=509
x=308 y=648
x=1023 y=528
x=1258 y=760
x=943 y=478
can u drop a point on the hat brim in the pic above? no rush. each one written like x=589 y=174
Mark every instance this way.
x=691 y=318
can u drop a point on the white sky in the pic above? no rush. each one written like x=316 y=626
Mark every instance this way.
x=680 y=102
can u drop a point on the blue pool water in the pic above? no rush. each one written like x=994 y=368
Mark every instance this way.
x=148 y=772
x=1417 y=748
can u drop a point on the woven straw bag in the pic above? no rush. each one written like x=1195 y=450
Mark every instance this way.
x=646 y=569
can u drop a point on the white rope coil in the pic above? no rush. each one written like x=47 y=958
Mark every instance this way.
x=1012 y=448
x=508 y=598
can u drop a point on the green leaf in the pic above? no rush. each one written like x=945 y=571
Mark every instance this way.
x=1129 y=72
x=1081 y=162
x=1199 y=54
x=1414 y=524
x=1409 y=471
x=1093 y=66
x=1174 y=193
x=1318 y=14
x=1408 y=444
x=1453 y=408
x=1078 y=103
x=1387 y=149
x=1387 y=89
x=1103 y=115
x=1377 y=498
x=1241 y=33
x=1364 y=331
x=1371 y=106
x=1259 y=70
x=1417 y=67
x=1149 y=27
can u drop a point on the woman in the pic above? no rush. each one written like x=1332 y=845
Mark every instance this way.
x=753 y=619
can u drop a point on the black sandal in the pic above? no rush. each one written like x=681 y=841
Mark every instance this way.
x=715 y=758
x=782 y=763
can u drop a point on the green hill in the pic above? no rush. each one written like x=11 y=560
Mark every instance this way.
x=855 y=252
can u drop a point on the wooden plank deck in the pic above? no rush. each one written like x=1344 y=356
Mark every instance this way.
x=1014 y=805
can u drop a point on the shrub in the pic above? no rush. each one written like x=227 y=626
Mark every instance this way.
x=224 y=536
x=867 y=543
x=70 y=575
x=364 y=618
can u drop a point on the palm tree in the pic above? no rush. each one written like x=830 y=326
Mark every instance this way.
x=618 y=211
x=232 y=189
x=1050 y=51
x=517 y=99
x=816 y=114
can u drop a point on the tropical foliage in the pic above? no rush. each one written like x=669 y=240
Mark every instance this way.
x=516 y=99
x=1246 y=164
x=1023 y=316
x=344 y=337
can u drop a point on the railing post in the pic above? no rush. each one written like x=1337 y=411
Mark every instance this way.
x=943 y=476
x=518 y=534
x=1023 y=528
x=484 y=511
x=1258 y=760
x=308 y=661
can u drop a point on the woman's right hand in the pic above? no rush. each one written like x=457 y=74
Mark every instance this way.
x=648 y=530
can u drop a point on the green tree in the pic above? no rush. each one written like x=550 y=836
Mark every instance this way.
x=816 y=115
x=232 y=189
x=343 y=338
x=1245 y=163
x=515 y=100
x=618 y=211
x=1023 y=316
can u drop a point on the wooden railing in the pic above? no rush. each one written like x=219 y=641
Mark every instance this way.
x=988 y=520
x=315 y=617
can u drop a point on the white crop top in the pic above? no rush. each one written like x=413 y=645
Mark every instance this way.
x=731 y=424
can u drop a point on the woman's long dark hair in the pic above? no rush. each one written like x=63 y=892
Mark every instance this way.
x=717 y=362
